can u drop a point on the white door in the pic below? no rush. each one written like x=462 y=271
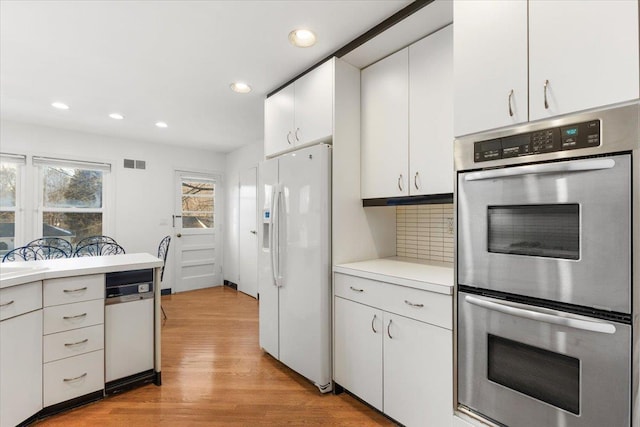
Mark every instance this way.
x=314 y=105
x=197 y=231
x=278 y=122
x=248 y=259
x=490 y=64
x=594 y=63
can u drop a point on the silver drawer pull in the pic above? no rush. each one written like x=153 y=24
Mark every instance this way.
x=413 y=305
x=356 y=289
x=67 y=291
x=66 y=380
x=77 y=343
x=74 y=317
x=4 y=304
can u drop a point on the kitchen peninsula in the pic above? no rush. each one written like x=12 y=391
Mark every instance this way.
x=56 y=332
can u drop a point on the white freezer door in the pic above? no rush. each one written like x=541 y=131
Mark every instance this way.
x=267 y=290
x=305 y=262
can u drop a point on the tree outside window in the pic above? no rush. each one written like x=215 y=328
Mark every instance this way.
x=197 y=203
x=8 y=205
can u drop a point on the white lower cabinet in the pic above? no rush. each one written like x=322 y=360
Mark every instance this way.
x=398 y=364
x=72 y=377
x=20 y=368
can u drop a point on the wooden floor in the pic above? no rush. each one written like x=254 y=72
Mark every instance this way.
x=214 y=373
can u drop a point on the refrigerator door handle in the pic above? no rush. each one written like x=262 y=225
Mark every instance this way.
x=273 y=235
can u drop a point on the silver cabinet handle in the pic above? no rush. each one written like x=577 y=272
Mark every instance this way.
x=76 y=343
x=74 y=379
x=413 y=305
x=289 y=138
x=74 y=317
x=4 y=304
x=400 y=183
x=356 y=289
x=546 y=103
x=296 y=134
x=509 y=101
x=415 y=181
x=372 y=322
x=68 y=291
x=253 y=232
x=576 y=166
x=388 y=331
x=543 y=315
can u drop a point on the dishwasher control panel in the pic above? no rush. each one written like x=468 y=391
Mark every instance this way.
x=128 y=285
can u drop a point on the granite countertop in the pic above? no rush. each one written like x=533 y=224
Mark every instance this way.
x=432 y=276
x=17 y=273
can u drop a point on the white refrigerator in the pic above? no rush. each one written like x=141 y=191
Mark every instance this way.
x=295 y=262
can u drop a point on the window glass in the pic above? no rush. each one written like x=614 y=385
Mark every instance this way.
x=198 y=201
x=72 y=201
x=8 y=201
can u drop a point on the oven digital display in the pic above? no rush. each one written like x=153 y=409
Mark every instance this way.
x=571 y=131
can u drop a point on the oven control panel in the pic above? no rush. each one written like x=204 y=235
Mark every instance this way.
x=580 y=135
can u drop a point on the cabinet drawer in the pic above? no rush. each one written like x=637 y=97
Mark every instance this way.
x=73 y=289
x=417 y=304
x=73 y=342
x=20 y=299
x=73 y=377
x=73 y=316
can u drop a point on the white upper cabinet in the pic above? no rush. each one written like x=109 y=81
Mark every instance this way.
x=301 y=113
x=384 y=126
x=431 y=114
x=279 y=121
x=517 y=61
x=587 y=51
x=490 y=64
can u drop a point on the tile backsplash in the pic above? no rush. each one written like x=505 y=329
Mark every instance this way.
x=425 y=232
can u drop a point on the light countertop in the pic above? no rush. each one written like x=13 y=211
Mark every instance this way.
x=434 y=277
x=16 y=273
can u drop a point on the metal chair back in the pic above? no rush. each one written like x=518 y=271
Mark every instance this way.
x=98 y=249
x=163 y=250
x=33 y=253
x=95 y=239
x=56 y=242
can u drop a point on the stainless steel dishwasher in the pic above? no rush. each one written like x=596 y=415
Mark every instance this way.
x=129 y=330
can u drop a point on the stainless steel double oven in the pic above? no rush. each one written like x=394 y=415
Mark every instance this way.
x=547 y=295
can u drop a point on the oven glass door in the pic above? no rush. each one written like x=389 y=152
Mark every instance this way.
x=559 y=231
x=566 y=370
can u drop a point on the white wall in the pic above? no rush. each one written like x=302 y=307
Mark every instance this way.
x=237 y=161
x=143 y=200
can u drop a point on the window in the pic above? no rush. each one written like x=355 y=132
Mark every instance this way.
x=71 y=198
x=197 y=203
x=10 y=218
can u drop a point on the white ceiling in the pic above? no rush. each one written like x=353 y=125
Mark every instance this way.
x=168 y=61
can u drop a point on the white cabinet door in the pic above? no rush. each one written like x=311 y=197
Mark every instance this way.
x=385 y=128
x=490 y=61
x=358 y=350
x=588 y=51
x=314 y=105
x=20 y=368
x=278 y=121
x=431 y=114
x=418 y=372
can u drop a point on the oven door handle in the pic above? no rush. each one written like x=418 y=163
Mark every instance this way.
x=571 y=321
x=580 y=166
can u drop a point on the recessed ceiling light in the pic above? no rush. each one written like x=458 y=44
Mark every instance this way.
x=240 y=87
x=116 y=116
x=161 y=124
x=60 y=106
x=302 y=38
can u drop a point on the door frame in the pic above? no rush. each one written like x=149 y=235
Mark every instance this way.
x=255 y=166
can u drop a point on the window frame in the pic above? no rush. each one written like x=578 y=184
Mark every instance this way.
x=18 y=210
x=40 y=163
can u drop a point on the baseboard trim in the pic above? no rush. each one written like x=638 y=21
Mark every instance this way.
x=231 y=285
x=166 y=291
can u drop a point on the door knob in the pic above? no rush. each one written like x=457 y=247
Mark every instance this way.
x=253 y=232
x=179 y=235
